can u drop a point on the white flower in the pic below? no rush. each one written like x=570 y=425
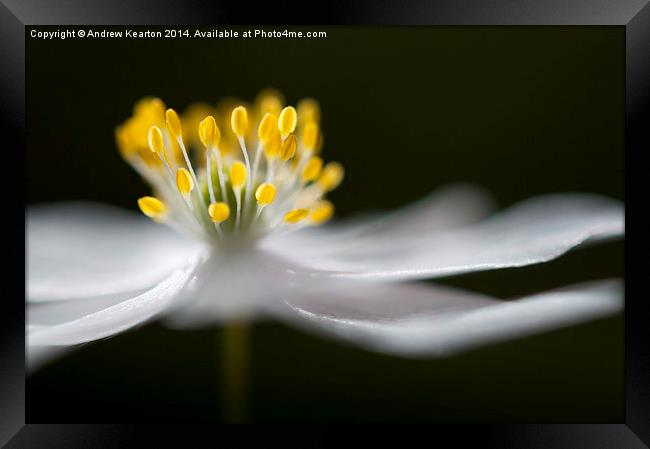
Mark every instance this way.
x=96 y=270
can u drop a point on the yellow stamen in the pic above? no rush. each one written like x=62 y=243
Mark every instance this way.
x=191 y=119
x=308 y=111
x=287 y=120
x=149 y=158
x=152 y=207
x=296 y=215
x=323 y=211
x=288 y=149
x=310 y=135
x=210 y=136
x=209 y=132
x=184 y=181
x=312 y=169
x=237 y=174
x=147 y=112
x=156 y=142
x=237 y=180
x=292 y=180
x=267 y=127
x=319 y=145
x=265 y=194
x=174 y=123
x=332 y=176
x=150 y=107
x=219 y=212
x=239 y=121
x=272 y=147
x=269 y=100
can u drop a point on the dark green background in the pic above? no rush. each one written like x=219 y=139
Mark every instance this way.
x=520 y=110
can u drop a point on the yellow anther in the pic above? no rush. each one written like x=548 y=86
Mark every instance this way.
x=296 y=215
x=312 y=169
x=269 y=100
x=209 y=132
x=152 y=207
x=321 y=212
x=184 y=181
x=150 y=107
x=192 y=117
x=272 y=147
x=267 y=127
x=156 y=142
x=271 y=105
x=149 y=157
x=319 y=145
x=288 y=149
x=237 y=174
x=239 y=121
x=310 y=135
x=287 y=120
x=219 y=212
x=174 y=123
x=308 y=111
x=332 y=176
x=265 y=194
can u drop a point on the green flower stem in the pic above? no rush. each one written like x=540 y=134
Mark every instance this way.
x=235 y=348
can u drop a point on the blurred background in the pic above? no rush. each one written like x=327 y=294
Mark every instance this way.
x=521 y=111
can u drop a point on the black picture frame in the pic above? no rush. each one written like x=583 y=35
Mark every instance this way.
x=634 y=15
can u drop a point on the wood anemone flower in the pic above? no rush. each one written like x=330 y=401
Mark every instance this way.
x=255 y=241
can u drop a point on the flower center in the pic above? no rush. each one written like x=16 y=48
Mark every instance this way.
x=239 y=186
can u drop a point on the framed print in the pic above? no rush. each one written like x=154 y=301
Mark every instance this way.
x=415 y=215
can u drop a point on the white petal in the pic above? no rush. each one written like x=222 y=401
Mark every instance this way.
x=534 y=231
x=426 y=321
x=50 y=313
x=237 y=286
x=80 y=250
x=116 y=318
x=446 y=208
x=38 y=356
